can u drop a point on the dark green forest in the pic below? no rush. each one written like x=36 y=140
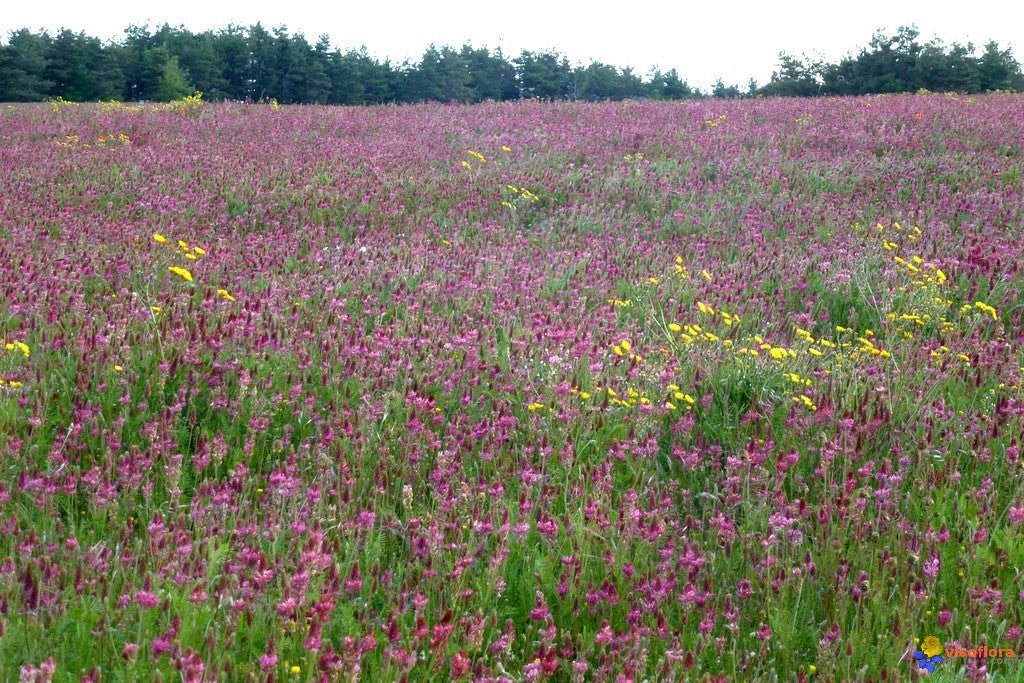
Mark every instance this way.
x=254 y=64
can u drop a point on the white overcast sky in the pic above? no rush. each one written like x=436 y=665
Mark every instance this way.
x=703 y=40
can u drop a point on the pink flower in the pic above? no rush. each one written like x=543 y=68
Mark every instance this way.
x=268 y=660
x=604 y=634
x=460 y=664
x=1016 y=515
x=146 y=600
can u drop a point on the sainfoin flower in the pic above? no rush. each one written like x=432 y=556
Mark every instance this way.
x=579 y=411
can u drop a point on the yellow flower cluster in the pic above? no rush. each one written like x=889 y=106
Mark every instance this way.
x=624 y=350
x=181 y=272
x=680 y=269
x=110 y=142
x=16 y=346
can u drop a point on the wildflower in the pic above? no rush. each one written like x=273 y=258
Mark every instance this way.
x=268 y=660
x=675 y=327
x=224 y=293
x=159 y=238
x=987 y=309
x=1016 y=514
x=929 y=655
x=181 y=272
x=296 y=669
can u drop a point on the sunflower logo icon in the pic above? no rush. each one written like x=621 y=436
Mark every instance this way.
x=929 y=655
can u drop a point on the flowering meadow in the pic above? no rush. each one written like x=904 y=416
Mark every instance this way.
x=719 y=390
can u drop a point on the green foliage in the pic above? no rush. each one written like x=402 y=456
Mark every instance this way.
x=23 y=66
x=256 y=64
x=899 y=63
x=543 y=74
x=173 y=83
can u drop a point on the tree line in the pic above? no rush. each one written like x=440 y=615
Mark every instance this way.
x=900 y=63
x=252 y=63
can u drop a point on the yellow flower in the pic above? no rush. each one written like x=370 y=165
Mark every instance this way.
x=181 y=272
x=159 y=238
x=296 y=670
x=156 y=309
x=119 y=368
x=200 y=251
x=224 y=293
x=931 y=646
x=675 y=327
x=987 y=309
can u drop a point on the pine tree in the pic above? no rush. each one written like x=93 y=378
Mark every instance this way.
x=174 y=83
